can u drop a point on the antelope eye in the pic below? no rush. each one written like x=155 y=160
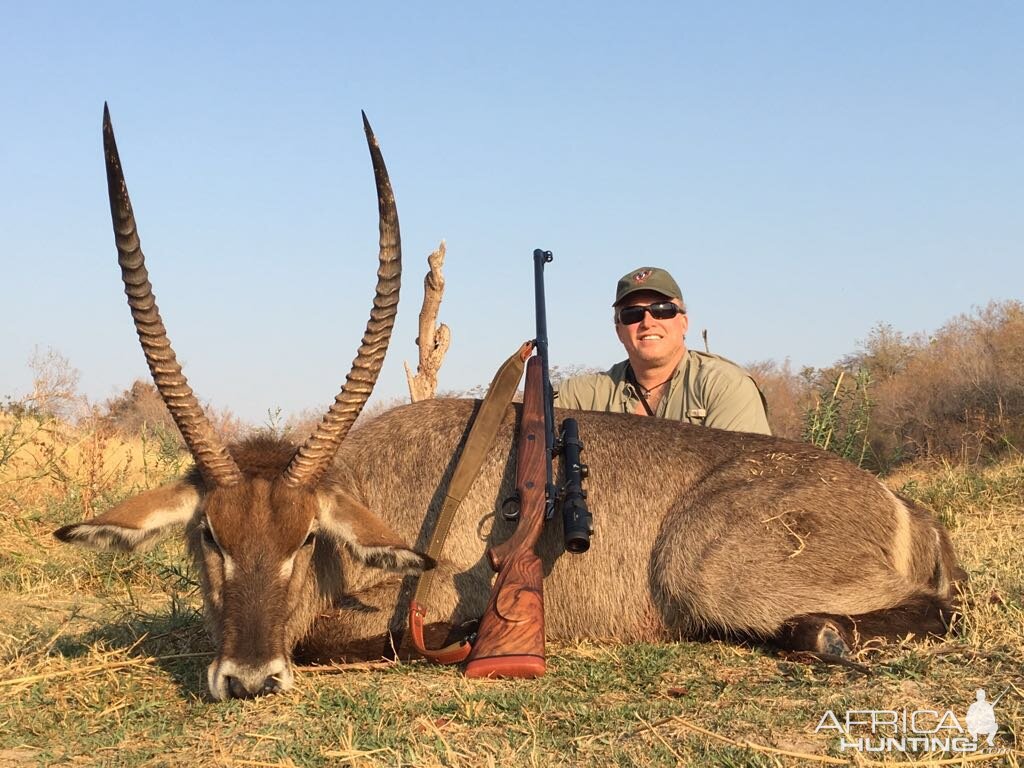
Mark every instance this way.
x=309 y=540
x=208 y=539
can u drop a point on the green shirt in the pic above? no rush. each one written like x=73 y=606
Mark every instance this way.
x=706 y=389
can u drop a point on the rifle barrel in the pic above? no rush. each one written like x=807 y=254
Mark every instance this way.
x=540 y=258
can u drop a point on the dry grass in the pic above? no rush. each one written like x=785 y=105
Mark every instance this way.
x=102 y=658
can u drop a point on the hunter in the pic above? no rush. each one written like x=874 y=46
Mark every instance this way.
x=660 y=376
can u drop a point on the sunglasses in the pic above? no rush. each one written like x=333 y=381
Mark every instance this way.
x=663 y=310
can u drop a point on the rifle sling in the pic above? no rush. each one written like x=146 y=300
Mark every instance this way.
x=481 y=436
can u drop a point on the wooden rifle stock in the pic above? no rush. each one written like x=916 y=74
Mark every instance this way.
x=510 y=641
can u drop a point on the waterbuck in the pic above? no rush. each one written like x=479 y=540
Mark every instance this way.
x=310 y=551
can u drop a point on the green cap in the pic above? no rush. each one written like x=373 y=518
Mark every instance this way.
x=647 y=279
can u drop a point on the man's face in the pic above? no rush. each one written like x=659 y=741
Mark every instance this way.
x=652 y=343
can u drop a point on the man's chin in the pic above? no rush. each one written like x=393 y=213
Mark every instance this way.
x=652 y=357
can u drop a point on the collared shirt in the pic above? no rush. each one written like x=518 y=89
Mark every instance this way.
x=706 y=389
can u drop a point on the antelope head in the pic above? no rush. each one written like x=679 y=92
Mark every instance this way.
x=257 y=515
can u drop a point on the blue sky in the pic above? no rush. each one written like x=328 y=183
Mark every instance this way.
x=805 y=169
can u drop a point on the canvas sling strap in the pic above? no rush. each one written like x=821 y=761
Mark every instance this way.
x=478 y=443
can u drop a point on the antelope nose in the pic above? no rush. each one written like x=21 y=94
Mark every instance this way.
x=240 y=689
x=228 y=679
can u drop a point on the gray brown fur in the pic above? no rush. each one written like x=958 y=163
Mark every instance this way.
x=698 y=531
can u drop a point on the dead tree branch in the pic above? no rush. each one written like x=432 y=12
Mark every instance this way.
x=433 y=339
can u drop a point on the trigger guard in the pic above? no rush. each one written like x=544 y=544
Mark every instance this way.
x=512 y=514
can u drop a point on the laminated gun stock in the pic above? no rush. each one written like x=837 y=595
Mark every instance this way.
x=510 y=640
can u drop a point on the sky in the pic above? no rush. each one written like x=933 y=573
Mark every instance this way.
x=806 y=170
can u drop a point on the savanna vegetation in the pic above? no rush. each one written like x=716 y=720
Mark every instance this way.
x=102 y=656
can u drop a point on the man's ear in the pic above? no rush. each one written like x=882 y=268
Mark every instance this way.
x=367 y=536
x=136 y=523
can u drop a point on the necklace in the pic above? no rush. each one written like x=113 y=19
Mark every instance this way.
x=643 y=392
x=648 y=392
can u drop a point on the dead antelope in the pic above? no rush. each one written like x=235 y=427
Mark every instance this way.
x=700 y=532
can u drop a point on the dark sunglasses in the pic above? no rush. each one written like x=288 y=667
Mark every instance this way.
x=663 y=310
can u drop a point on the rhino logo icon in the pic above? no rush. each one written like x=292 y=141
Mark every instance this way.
x=642 y=275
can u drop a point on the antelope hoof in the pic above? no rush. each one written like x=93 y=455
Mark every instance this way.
x=830 y=642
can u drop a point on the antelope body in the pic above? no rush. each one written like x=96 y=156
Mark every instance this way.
x=312 y=550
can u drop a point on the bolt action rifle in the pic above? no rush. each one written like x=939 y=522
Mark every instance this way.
x=510 y=639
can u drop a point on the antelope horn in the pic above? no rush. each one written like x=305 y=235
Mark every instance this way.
x=214 y=462
x=312 y=459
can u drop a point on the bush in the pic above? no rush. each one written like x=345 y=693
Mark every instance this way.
x=841 y=415
x=139 y=411
x=958 y=394
x=788 y=394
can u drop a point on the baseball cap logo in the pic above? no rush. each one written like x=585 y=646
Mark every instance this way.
x=641 y=276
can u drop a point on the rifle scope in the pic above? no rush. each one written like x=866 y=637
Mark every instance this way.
x=577 y=522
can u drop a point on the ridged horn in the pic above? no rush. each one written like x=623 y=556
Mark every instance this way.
x=211 y=457
x=316 y=454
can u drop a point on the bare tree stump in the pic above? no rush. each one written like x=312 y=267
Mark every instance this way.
x=433 y=339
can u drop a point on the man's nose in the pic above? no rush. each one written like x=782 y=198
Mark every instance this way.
x=646 y=321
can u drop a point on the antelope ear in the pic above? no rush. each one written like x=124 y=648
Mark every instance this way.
x=367 y=536
x=136 y=523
